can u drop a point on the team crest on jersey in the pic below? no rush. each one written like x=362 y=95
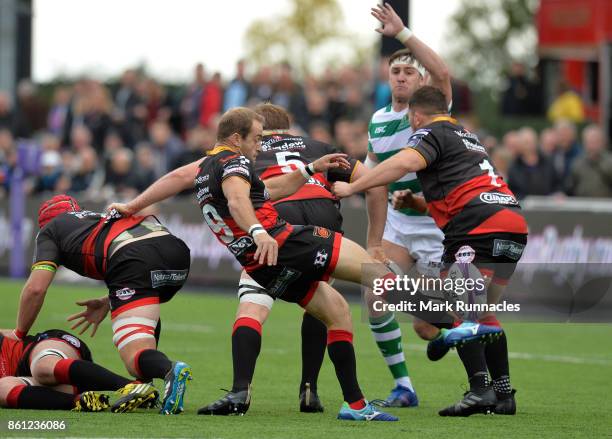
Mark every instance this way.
x=320 y=258
x=465 y=254
x=72 y=340
x=417 y=136
x=321 y=232
x=125 y=293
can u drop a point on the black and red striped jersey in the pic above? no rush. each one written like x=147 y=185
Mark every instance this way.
x=464 y=193
x=80 y=241
x=10 y=355
x=282 y=153
x=223 y=162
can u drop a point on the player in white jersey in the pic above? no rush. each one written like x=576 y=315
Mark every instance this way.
x=410 y=237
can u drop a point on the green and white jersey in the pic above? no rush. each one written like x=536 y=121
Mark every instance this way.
x=388 y=133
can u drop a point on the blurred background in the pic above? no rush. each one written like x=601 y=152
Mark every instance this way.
x=99 y=99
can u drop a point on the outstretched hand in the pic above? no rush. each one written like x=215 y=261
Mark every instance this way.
x=331 y=161
x=391 y=22
x=94 y=314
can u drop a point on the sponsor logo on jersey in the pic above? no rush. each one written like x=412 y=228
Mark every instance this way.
x=124 y=293
x=84 y=214
x=282 y=281
x=510 y=249
x=161 y=278
x=498 y=198
x=238 y=246
x=472 y=146
x=465 y=254
x=72 y=340
x=203 y=194
x=466 y=134
x=321 y=232
x=202 y=179
x=238 y=169
x=288 y=143
x=416 y=137
x=380 y=130
x=320 y=258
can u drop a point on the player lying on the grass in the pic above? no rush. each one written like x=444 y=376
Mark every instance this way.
x=481 y=221
x=54 y=370
x=142 y=265
x=313 y=204
x=288 y=261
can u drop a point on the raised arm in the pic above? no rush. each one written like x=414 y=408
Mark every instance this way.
x=392 y=26
x=167 y=186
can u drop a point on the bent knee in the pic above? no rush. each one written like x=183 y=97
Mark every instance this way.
x=44 y=371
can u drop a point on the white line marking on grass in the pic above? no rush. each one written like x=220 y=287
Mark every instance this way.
x=541 y=357
x=186 y=327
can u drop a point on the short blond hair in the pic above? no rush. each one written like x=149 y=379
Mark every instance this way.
x=237 y=120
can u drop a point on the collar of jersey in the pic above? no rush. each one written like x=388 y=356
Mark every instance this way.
x=266 y=133
x=444 y=119
x=221 y=148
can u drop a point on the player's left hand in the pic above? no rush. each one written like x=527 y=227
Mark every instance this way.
x=342 y=189
x=267 y=249
x=391 y=22
x=331 y=161
x=94 y=314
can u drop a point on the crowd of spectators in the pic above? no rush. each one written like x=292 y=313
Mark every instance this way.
x=558 y=161
x=100 y=141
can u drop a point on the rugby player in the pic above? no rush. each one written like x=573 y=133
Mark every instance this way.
x=142 y=265
x=411 y=238
x=288 y=261
x=482 y=223
x=313 y=204
x=53 y=370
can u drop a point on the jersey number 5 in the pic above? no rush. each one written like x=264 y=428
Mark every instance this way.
x=285 y=160
x=486 y=166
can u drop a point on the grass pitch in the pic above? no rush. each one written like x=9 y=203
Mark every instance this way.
x=562 y=373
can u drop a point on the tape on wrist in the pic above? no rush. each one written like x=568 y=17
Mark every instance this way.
x=404 y=35
x=310 y=169
x=19 y=334
x=256 y=229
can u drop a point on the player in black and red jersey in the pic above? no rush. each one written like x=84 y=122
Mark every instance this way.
x=312 y=204
x=290 y=262
x=142 y=265
x=481 y=221
x=53 y=370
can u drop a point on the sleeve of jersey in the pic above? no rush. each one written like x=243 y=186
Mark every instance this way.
x=46 y=253
x=237 y=167
x=339 y=174
x=425 y=144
